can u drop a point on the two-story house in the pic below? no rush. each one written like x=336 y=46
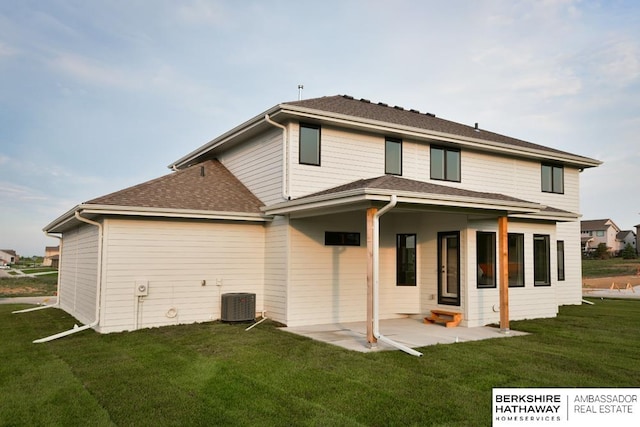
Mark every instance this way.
x=330 y=210
x=596 y=231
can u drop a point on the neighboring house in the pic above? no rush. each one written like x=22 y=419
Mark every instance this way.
x=637 y=238
x=321 y=205
x=626 y=237
x=8 y=256
x=51 y=256
x=596 y=231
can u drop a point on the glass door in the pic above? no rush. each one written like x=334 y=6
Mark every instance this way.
x=449 y=265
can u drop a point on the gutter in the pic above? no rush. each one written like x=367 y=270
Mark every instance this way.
x=77 y=328
x=376 y=283
x=285 y=158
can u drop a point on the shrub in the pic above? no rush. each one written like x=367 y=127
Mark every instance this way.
x=629 y=252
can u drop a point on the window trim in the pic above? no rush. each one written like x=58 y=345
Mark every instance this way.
x=547 y=239
x=512 y=284
x=319 y=149
x=399 y=259
x=395 y=141
x=445 y=150
x=492 y=254
x=552 y=167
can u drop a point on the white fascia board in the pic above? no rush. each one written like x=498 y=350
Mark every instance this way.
x=60 y=223
x=172 y=213
x=476 y=143
x=222 y=139
x=426 y=199
x=61 y=220
x=549 y=216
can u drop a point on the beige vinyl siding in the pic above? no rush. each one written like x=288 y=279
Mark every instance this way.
x=327 y=284
x=570 y=290
x=526 y=302
x=276 y=269
x=344 y=157
x=257 y=163
x=78 y=272
x=174 y=258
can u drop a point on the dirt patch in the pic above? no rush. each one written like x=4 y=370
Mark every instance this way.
x=605 y=282
x=6 y=291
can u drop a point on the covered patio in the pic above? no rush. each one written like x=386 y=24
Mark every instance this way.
x=410 y=332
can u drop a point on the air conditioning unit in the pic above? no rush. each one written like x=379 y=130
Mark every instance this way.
x=238 y=307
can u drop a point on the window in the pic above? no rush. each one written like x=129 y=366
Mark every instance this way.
x=560 y=250
x=341 y=238
x=600 y=233
x=516 y=259
x=541 y=267
x=393 y=156
x=552 y=179
x=309 y=145
x=445 y=164
x=486 y=255
x=406 y=260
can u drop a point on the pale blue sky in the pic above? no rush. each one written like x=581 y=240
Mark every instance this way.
x=96 y=96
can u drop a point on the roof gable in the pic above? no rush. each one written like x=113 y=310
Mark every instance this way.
x=207 y=186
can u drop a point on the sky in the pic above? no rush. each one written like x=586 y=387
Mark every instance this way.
x=96 y=96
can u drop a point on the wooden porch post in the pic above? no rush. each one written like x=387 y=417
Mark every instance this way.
x=503 y=251
x=371 y=339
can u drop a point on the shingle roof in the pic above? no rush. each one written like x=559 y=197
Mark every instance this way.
x=594 y=224
x=395 y=183
x=207 y=186
x=363 y=108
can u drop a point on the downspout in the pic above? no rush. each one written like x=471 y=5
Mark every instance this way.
x=376 y=282
x=285 y=158
x=98 y=287
x=57 y=304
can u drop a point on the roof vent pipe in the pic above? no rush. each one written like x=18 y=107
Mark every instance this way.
x=201 y=170
x=476 y=127
x=300 y=87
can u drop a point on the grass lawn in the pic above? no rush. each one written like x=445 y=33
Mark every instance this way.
x=219 y=374
x=609 y=267
x=28 y=286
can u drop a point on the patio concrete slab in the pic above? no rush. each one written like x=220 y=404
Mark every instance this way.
x=412 y=333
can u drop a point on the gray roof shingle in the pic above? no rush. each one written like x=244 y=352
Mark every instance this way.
x=206 y=186
x=347 y=105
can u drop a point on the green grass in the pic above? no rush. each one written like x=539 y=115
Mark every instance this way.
x=38 y=270
x=28 y=286
x=219 y=374
x=609 y=267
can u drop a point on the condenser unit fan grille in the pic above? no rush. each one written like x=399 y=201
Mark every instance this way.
x=238 y=307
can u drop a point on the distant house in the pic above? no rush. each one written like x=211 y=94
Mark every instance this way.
x=51 y=256
x=597 y=231
x=8 y=256
x=626 y=237
x=637 y=238
x=303 y=204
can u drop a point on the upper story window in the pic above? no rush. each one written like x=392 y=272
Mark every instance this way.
x=309 y=144
x=393 y=156
x=552 y=179
x=445 y=164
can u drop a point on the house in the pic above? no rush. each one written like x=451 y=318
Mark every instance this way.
x=333 y=209
x=8 y=256
x=596 y=231
x=51 y=256
x=624 y=238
